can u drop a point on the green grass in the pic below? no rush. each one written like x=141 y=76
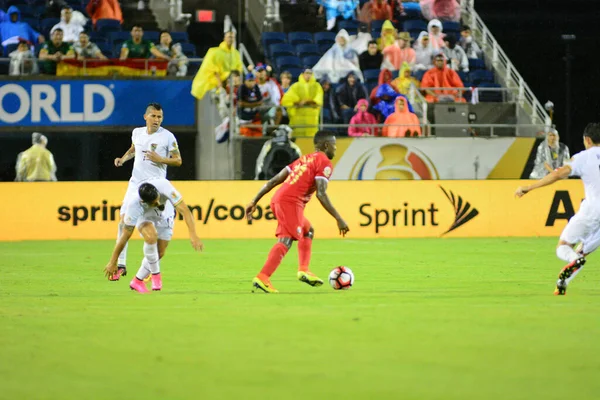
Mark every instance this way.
x=426 y=319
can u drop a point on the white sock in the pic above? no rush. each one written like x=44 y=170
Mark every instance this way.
x=151 y=254
x=144 y=270
x=123 y=256
x=566 y=253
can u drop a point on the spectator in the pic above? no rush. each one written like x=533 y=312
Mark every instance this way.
x=388 y=35
x=286 y=81
x=217 y=65
x=445 y=10
x=104 y=9
x=372 y=58
x=303 y=101
x=360 y=44
x=179 y=62
x=333 y=9
x=440 y=76
x=400 y=52
x=36 y=164
x=250 y=98
x=551 y=154
x=71 y=28
x=423 y=53
x=436 y=37
x=3 y=16
x=138 y=47
x=456 y=54
x=347 y=96
x=86 y=49
x=405 y=80
x=22 y=61
x=376 y=10
x=385 y=77
x=13 y=30
x=271 y=95
x=329 y=113
x=362 y=117
x=339 y=60
x=469 y=45
x=402 y=122
x=385 y=101
x=54 y=51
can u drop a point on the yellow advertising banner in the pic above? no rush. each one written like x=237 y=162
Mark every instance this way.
x=372 y=209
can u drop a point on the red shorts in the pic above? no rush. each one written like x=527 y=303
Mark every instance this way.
x=290 y=220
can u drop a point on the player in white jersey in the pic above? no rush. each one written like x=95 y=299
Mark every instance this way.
x=154 y=148
x=584 y=227
x=151 y=210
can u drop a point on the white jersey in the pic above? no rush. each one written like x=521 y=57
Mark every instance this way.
x=136 y=210
x=270 y=93
x=587 y=166
x=162 y=141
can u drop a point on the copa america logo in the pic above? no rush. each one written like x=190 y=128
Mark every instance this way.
x=394 y=161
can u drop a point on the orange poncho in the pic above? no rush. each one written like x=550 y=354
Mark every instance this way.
x=404 y=119
x=445 y=78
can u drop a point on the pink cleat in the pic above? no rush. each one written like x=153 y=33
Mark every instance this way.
x=122 y=271
x=156 y=281
x=138 y=286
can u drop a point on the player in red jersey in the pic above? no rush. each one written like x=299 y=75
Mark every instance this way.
x=300 y=180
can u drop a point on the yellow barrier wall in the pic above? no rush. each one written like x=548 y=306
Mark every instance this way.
x=89 y=210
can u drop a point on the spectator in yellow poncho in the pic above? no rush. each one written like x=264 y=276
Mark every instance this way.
x=405 y=79
x=388 y=35
x=216 y=67
x=36 y=164
x=303 y=102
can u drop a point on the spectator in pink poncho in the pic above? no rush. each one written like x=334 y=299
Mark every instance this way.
x=400 y=52
x=362 y=116
x=444 y=10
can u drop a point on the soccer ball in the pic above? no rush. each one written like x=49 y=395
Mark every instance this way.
x=341 y=278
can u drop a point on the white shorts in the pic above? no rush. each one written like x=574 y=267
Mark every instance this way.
x=131 y=191
x=582 y=226
x=164 y=227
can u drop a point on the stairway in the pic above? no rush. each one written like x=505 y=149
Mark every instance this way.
x=133 y=16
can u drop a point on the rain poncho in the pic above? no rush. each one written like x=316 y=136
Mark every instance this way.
x=347 y=95
x=396 y=56
x=71 y=29
x=376 y=10
x=385 y=76
x=442 y=78
x=337 y=8
x=555 y=156
x=305 y=115
x=218 y=60
x=10 y=32
x=436 y=42
x=388 y=35
x=403 y=82
x=456 y=55
x=361 y=42
x=386 y=97
x=338 y=61
x=423 y=54
x=445 y=10
x=405 y=120
x=362 y=117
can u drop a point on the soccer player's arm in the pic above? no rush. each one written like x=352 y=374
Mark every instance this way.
x=184 y=210
x=174 y=159
x=322 y=183
x=129 y=154
x=556 y=175
x=111 y=267
x=272 y=183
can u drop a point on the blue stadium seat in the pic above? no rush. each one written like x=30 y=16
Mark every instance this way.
x=476 y=63
x=375 y=34
x=105 y=48
x=295 y=38
x=152 y=36
x=108 y=25
x=419 y=75
x=414 y=35
x=269 y=38
x=376 y=25
x=415 y=26
x=286 y=62
x=307 y=49
x=281 y=49
x=451 y=27
x=180 y=37
x=324 y=37
x=371 y=75
x=193 y=67
x=38 y=9
x=33 y=22
x=481 y=76
x=98 y=37
x=295 y=73
x=370 y=86
x=117 y=37
x=464 y=76
x=310 y=61
x=27 y=12
x=348 y=24
x=485 y=96
x=47 y=23
x=189 y=49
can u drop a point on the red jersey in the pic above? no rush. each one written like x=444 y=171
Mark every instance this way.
x=301 y=182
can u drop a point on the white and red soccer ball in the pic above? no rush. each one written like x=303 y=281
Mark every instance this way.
x=341 y=278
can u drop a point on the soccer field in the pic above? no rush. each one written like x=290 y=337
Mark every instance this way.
x=426 y=319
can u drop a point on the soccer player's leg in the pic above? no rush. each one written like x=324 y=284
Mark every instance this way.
x=287 y=232
x=150 y=264
x=576 y=230
x=304 y=253
x=122 y=261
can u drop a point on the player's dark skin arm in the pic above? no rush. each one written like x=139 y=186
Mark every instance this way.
x=273 y=183
x=326 y=203
x=111 y=267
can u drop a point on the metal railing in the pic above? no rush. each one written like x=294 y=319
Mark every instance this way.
x=505 y=71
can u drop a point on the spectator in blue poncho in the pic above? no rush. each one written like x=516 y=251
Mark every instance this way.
x=386 y=96
x=337 y=8
x=12 y=30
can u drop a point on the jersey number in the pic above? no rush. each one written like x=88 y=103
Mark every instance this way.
x=297 y=173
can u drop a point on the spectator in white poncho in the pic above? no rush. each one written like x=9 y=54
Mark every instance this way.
x=339 y=60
